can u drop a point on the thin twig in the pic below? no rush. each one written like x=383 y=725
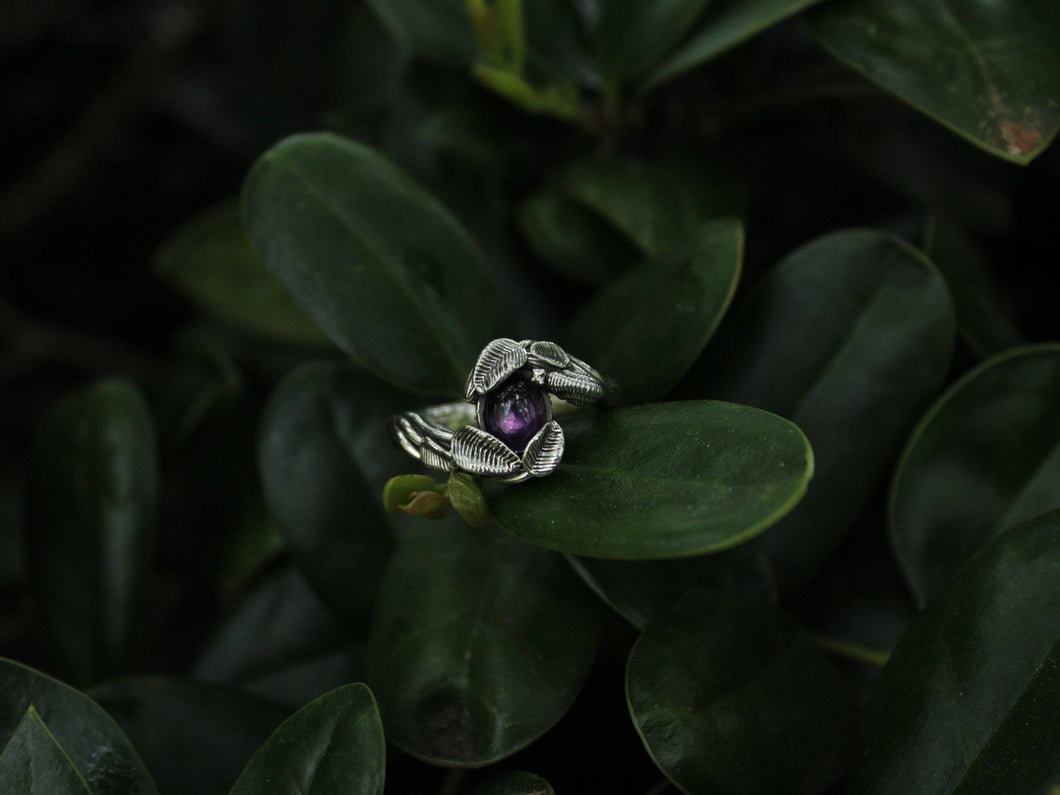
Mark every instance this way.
x=32 y=341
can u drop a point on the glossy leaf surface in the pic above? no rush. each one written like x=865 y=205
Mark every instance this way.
x=725 y=24
x=479 y=643
x=325 y=454
x=87 y=735
x=985 y=458
x=164 y=717
x=669 y=309
x=969 y=700
x=731 y=696
x=640 y=590
x=90 y=521
x=517 y=783
x=987 y=70
x=33 y=763
x=379 y=265
x=632 y=35
x=655 y=206
x=281 y=643
x=849 y=337
x=573 y=239
x=333 y=744
x=663 y=480
x=983 y=321
x=210 y=260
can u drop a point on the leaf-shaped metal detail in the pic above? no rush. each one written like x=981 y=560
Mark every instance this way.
x=548 y=353
x=477 y=452
x=575 y=387
x=498 y=360
x=545 y=450
x=434 y=460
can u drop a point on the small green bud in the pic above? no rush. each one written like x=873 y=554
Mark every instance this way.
x=399 y=491
x=427 y=505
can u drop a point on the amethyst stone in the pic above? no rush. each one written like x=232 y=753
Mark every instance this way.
x=514 y=411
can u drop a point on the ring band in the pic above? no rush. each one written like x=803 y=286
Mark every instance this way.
x=504 y=428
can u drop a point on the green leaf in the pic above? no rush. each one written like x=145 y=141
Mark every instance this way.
x=438 y=29
x=985 y=458
x=725 y=24
x=479 y=644
x=731 y=696
x=655 y=206
x=33 y=762
x=641 y=590
x=665 y=480
x=381 y=267
x=969 y=700
x=210 y=260
x=90 y=521
x=193 y=737
x=849 y=337
x=325 y=454
x=280 y=642
x=556 y=43
x=573 y=239
x=467 y=499
x=517 y=783
x=334 y=744
x=86 y=734
x=982 y=320
x=442 y=30
x=985 y=70
x=669 y=310
x=633 y=35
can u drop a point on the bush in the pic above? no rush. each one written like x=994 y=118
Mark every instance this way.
x=814 y=533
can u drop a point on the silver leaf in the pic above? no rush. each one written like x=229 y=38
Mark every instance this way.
x=575 y=387
x=434 y=460
x=545 y=450
x=479 y=453
x=543 y=352
x=498 y=360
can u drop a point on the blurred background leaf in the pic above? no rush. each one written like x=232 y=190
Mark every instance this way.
x=984 y=458
x=91 y=527
x=970 y=694
x=850 y=337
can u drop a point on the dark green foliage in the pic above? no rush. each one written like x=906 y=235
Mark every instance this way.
x=832 y=426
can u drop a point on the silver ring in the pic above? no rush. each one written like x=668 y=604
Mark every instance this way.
x=504 y=429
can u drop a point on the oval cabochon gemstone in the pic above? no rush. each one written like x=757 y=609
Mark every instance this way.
x=514 y=411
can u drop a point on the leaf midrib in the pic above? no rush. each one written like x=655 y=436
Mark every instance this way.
x=457 y=365
x=993 y=737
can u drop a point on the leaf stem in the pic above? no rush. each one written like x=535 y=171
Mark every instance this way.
x=853 y=651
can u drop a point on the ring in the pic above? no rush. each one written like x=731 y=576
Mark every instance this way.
x=504 y=428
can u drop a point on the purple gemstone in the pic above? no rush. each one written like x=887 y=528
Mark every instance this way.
x=514 y=412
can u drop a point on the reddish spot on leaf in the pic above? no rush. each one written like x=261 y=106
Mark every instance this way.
x=1019 y=139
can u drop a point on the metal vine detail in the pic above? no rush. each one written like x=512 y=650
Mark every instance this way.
x=476 y=450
